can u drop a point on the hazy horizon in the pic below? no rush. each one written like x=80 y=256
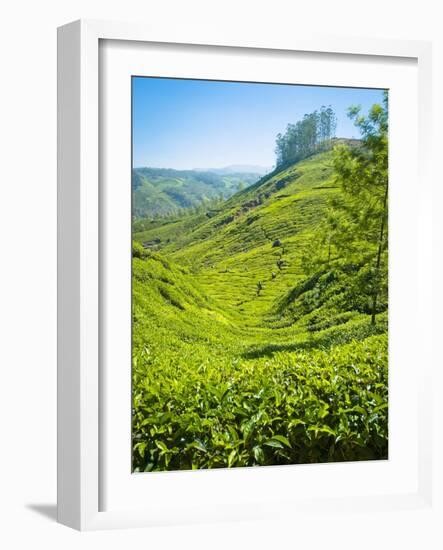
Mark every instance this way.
x=187 y=124
x=207 y=168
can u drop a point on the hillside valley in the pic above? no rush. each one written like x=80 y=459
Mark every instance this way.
x=160 y=192
x=238 y=305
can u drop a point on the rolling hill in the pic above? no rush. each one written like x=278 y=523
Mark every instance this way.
x=273 y=353
x=163 y=191
x=238 y=169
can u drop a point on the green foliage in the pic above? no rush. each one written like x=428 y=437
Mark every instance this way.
x=357 y=225
x=138 y=251
x=163 y=192
x=198 y=411
x=307 y=136
x=255 y=337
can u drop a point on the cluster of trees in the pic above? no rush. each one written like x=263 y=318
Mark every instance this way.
x=306 y=136
x=354 y=234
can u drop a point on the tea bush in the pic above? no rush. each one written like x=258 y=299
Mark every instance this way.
x=302 y=407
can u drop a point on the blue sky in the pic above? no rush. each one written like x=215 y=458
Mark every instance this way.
x=187 y=124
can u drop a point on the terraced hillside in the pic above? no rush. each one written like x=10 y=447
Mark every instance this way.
x=251 y=345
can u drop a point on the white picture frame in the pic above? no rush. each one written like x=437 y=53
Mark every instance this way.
x=81 y=418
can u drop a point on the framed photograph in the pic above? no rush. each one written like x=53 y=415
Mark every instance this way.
x=242 y=277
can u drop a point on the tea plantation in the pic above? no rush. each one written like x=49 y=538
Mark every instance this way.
x=256 y=340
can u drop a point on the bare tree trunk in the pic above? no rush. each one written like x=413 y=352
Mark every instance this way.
x=329 y=249
x=380 y=246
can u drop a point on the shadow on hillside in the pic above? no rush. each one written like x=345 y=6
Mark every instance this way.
x=324 y=340
x=269 y=349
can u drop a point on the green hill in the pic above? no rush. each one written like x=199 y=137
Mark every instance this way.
x=252 y=336
x=162 y=191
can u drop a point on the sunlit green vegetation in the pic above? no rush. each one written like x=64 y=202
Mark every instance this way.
x=168 y=193
x=260 y=322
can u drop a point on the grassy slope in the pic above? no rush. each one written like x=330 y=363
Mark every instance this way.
x=199 y=325
x=240 y=237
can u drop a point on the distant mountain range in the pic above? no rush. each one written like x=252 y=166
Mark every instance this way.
x=162 y=191
x=238 y=169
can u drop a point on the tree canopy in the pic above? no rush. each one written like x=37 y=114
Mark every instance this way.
x=309 y=135
x=354 y=233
